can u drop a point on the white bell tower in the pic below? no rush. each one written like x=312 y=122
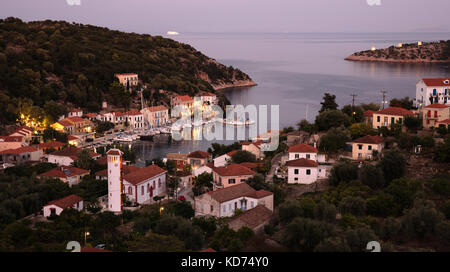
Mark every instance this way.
x=114 y=180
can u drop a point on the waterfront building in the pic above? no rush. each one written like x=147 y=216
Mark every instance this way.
x=230 y=175
x=155 y=117
x=135 y=119
x=389 y=116
x=224 y=202
x=198 y=158
x=73 y=125
x=432 y=90
x=128 y=79
x=367 y=147
x=433 y=114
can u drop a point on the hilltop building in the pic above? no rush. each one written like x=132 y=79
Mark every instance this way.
x=432 y=90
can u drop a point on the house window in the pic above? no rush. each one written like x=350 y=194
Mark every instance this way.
x=369 y=147
x=360 y=147
x=434 y=92
x=308 y=171
x=252 y=205
x=159 y=182
x=297 y=156
x=435 y=114
x=296 y=171
x=296 y=179
x=142 y=190
x=392 y=120
x=378 y=119
x=231 y=181
x=212 y=208
x=235 y=205
x=130 y=190
x=224 y=208
x=308 y=156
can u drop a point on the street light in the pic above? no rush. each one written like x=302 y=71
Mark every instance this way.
x=86 y=234
x=160 y=210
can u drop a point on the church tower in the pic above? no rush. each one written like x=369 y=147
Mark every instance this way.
x=114 y=180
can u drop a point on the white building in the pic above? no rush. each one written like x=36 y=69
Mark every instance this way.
x=202 y=169
x=209 y=99
x=302 y=171
x=303 y=151
x=128 y=79
x=135 y=119
x=68 y=155
x=142 y=185
x=224 y=202
x=56 y=207
x=432 y=90
x=115 y=180
x=224 y=160
x=75 y=112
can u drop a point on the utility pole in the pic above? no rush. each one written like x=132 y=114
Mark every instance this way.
x=353 y=100
x=384 y=98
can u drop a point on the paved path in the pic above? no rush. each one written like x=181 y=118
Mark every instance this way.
x=276 y=160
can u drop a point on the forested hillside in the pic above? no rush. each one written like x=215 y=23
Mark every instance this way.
x=55 y=62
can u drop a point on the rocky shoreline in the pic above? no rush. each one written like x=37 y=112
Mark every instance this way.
x=235 y=84
x=432 y=52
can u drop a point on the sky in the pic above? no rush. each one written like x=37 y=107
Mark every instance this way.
x=263 y=16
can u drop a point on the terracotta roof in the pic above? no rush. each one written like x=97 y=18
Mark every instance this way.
x=183 y=174
x=437 y=106
x=72 y=138
x=11 y=139
x=66 y=202
x=302 y=163
x=20 y=150
x=250 y=165
x=65 y=123
x=102 y=160
x=91 y=115
x=207 y=250
x=176 y=156
x=71 y=152
x=446 y=121
x=184 y=98
x=93 y=249
x=126 y=169
x=157 y=108
x=259 y=194
x=75 y=119
x=395 y=111
x=368 y=113
x=143 y=174
x=199 y=155
x=75 y=110
x=233 y=170
x=231 y=153
x=303 y=148
x=436 y=82
x=53 y=144
x=126 y=74
x=114 y=152
x=208 y=94
x=64 y=172
x=232 y=192
x=133 y=112
x=23 y=130
x=254 y=217
x=369 y=139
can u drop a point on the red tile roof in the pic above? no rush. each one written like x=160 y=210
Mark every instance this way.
x=65 y=123
x=114 y=152
x=157 y=108
x=232 y=192
x=368 y=113
x=250 y=165
x=446 y=121
x=11 y=139
x=126 y=74
x=23 y=130
x=66 y=202
x=144 y=174
x=254 y=217
x=233 y=170
x=259 y=194
x=303 y=148
x=133 y=112
x=53 y=144
x=369 y=139
x=199 y=155
x=207 y=250
x=126 y=169
x=72 y=138
x=231 y=153
x=75 y=119
x=20 y=150
x=302 y=163
x=75 y=110
x=436 y=82
x=65 y=172
x=437 y=106
x=71 y=152
x=395 y=111
x=184 y=98
x=91 y=115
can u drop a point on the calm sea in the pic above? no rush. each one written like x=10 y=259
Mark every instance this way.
x=294 y=70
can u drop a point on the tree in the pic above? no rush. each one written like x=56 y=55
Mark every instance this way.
x=422 y=220
x=358 y=130
x=334 y=140
x=54 y=110
x=358 y=238
x=153 y=242
x=381 y=205
x=202 y=183
x=371 y=176
x=84 y=160
x=103 y=126
x=306 y=234
x=390 y=228
x=304 y=125
x=325 y=212
x=343 y=172
x=393 y=165
x=356 y=113
x=258 y=182
x=328 y=103
x=332 y=118
x=413 y=123
x=405 y=103
x=172 y=185
x=353 y=205
x=243 y=156
x=442 y=151
x=333 y=244
x=182 y=209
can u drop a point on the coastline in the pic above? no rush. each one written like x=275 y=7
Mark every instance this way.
x=374 y=59
x=236 y=84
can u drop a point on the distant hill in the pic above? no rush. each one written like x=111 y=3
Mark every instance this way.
x=432 y=52
x=74 y=63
